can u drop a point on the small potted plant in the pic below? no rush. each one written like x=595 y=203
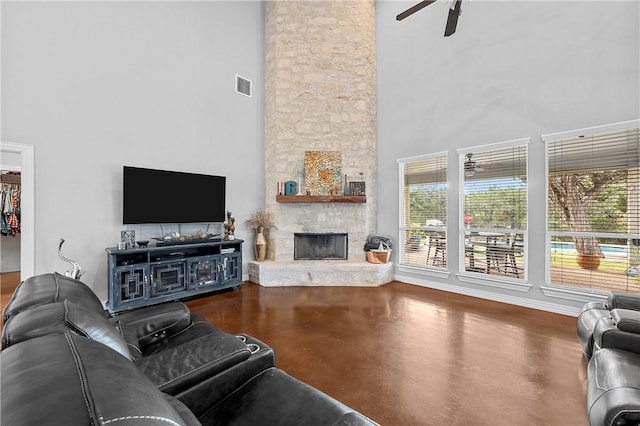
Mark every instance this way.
x=261 y=221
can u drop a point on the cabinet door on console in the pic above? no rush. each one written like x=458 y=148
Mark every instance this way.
x=231 y=268
x=130 y=282
x=168 y=278
x=203 y=272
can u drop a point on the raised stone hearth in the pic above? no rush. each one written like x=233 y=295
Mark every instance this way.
x=320 y=272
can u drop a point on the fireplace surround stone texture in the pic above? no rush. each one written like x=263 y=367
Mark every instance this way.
x=320 y=95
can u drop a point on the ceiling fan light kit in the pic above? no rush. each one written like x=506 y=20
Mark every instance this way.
x=470 y=166
x=452 y=20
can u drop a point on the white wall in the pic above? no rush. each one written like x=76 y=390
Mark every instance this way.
x=512 y=70
x=94 y=86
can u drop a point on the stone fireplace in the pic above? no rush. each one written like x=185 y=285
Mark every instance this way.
x=320 y=95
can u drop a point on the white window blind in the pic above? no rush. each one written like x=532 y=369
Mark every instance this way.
x=494 y=209
x=423 y=206
x=593 y=218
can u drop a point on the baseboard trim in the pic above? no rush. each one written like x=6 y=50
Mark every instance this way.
x=496 y=297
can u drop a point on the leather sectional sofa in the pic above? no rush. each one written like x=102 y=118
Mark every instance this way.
x=65 y=360
x=609 y=333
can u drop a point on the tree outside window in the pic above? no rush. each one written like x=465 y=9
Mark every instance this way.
x=593 y=208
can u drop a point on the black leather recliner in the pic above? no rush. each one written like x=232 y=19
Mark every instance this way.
x=173 y=348
x=612 y=346
x=592 y=312
x=67 y=361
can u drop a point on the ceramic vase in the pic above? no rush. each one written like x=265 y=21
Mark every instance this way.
x=260 y=245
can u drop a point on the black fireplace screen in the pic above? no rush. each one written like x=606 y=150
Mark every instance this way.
x=316 y=246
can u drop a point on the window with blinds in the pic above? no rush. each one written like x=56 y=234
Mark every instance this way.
x=494 y=209
x=423 y=203
x=593 y=208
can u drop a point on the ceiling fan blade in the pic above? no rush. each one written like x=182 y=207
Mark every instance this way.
x=452 y=20
x=414 y=9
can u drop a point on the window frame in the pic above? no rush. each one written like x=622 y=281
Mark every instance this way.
x=580 y=294
x=463 y=275
x=426 y=269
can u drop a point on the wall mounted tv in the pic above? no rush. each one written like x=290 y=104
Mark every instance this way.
x=162 y=196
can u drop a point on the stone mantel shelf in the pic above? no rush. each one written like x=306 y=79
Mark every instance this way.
x=321 y=198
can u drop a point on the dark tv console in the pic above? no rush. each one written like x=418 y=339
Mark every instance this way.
x=145 y=276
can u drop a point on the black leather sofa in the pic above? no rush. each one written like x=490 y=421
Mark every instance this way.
x=66 y=361
x=609 y=333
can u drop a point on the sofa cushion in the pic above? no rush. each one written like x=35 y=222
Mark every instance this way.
x=627 y=320
x=179 y=367
x=274 y=397
x=51 y=288
x=67 y=379
x=623 y=300
x=61 y=317
x=608 y=334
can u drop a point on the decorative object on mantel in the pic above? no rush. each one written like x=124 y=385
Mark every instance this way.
x=358 y=187
x=359 y=199
x=229 y=227
x=323 y=172
x=261 y=221
x=291 y=187
x=300 y=173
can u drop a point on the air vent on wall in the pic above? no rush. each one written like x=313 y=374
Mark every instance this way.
x=243 y=86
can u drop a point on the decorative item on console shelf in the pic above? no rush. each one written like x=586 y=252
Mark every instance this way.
x=230 y=228
x=261 y=221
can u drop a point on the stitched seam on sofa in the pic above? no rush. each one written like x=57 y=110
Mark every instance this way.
x=202 y=366
x=583 y=322
x=78 y=361
x=127 y=418
x=70 y=323
x=595 y=363
x=239 y=389
x=118 y=327
x=55 y=278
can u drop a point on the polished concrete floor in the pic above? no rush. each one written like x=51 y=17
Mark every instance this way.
x=407 y=355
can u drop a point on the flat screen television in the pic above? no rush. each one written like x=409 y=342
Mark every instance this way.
x=163 y=196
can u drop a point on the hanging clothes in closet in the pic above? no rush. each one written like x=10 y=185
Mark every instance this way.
x=9 y=209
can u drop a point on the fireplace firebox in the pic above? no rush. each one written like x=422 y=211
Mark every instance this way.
x=320 y=246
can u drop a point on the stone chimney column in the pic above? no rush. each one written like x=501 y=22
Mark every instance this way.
x=320 y=95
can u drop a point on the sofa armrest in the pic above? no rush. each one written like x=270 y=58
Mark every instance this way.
x=607 y=333
x=622 y=300
x=180 y=367
x=626 y=320
x=155 y=322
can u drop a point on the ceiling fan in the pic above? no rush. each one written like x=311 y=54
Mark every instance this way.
x=452 y=19
x=471 y=167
